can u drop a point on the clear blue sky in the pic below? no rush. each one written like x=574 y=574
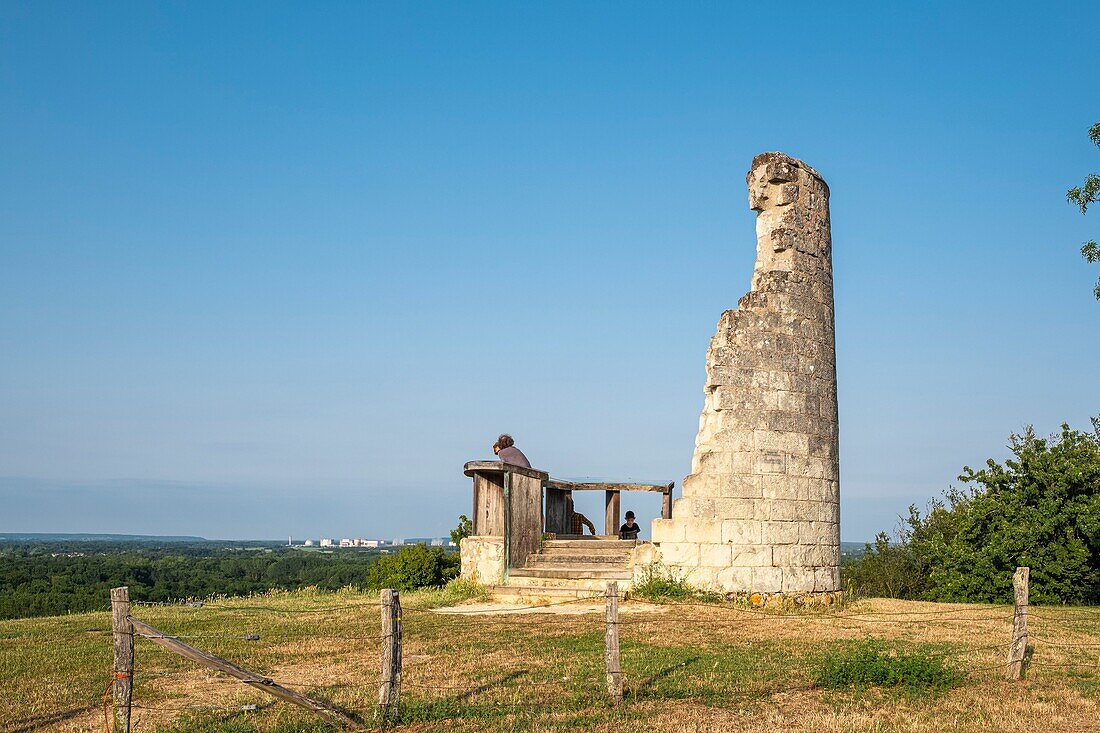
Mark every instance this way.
x=281 y=269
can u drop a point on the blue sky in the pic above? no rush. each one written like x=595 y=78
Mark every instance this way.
x=277 y=269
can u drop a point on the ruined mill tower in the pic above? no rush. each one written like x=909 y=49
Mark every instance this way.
x=760 y=510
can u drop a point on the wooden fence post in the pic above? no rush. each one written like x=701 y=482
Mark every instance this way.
x=123 y=671
x=390 y=690
x=611 y=643
x=1018 y=650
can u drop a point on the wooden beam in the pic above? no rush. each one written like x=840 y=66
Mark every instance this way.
x=557 y=483
x=249 y=678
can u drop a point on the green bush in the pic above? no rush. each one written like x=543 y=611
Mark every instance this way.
x=1041 y=509
x=415 y=566
x=870 y=663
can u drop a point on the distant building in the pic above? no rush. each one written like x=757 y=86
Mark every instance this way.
x=326 y=542
x=308 y=543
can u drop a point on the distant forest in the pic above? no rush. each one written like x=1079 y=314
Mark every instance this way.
x=51 y=578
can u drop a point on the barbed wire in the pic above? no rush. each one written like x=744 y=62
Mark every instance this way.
x=1041 y=640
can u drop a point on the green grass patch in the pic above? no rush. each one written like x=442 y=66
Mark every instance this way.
x=871 y=663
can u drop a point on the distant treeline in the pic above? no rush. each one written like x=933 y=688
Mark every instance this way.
x=50 y=578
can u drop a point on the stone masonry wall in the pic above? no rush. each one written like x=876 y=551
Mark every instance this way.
x=482 y=559
x=760 y=510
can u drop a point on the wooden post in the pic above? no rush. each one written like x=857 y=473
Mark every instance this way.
x=611 y=513
x=390 y=690
x=1016 y=653
x=123 y=672
x=252 y=679
x=666 y=502
x=611 y=643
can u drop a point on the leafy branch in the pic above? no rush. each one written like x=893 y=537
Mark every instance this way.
x=1082 y=197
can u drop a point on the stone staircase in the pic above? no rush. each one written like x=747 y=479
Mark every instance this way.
x=569 y=568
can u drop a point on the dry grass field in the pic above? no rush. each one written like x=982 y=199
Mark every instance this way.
x=692 y=667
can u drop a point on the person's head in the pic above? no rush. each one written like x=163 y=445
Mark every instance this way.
x=630 y=517
x=504 y=441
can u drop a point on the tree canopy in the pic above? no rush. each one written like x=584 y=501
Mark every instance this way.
x=1040 y=509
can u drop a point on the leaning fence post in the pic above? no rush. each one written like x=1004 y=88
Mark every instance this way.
x=1017 y=651
x=123 y=671
x=390 y=689
x=611 y=643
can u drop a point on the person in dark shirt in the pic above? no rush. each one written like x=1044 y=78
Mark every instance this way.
x=506 y=450
x=629 y=530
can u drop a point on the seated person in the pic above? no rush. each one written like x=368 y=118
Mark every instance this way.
x=506 y=450
x=629 y=530
x=577 y=521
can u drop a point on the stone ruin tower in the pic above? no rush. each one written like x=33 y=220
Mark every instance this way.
x=760 y=510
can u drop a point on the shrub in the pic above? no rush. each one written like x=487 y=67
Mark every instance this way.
x=1040 y=509
x=416 y=566
x=870 y=663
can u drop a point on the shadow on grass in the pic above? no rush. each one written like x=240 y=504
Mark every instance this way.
x=647 y=688
x=31 y=724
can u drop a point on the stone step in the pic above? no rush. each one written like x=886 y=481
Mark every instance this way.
x=537 y=595
x=588 y=585
x=569 y=572
x=563 y=558
x=591 y=542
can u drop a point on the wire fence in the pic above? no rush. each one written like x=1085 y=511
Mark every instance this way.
x=653 y=665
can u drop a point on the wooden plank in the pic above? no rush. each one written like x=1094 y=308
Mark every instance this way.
x=249 y=678
x=123 y=674
x=557 y=483
x=1017 y=652
x=611 y=642
x=666 y=503
x=489 y=514
x=557 y=511
x=473 y=467
x=525 y=505
x=611 y=513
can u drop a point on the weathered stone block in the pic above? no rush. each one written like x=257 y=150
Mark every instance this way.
x=780 y=533
x=482 y=559
x=734 y=579
x=818 y=533
x=770 y=462
x=765 y=440
x=790 y=510
x=682 y=554
x=826 y=579
x=767 y=580
x=715 y=556
x=798 y=580
x=743 y=532
x=668 y=530
x=701 y=529
x=751 y=555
